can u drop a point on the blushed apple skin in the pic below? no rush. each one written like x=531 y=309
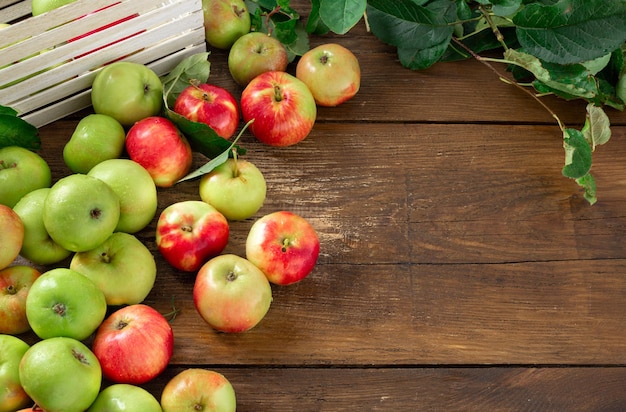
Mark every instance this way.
x=12 y=395
x=15 y=283
x=11 y=235
x=225 y=21
x=331 y=72
x=134 y=344
x=231 y=294
x=212 y=105
x=157 y=145
x=198 y=389
x=256 y=53
x=189 y=233
x=282 y=107
x=284 y=246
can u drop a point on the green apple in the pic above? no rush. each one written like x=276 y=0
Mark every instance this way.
x=122 y=397
x=15 y=283
x=38 y=246
x=255 y=53
x=135 y=188
x=12 y=395
x=236 y=188
x=11 y=235
x=62 y=302
x=97 y=137
x=42 y=6
x=61 y=375
x=81 y=212
x=21 y=171
x=122 y=267
x=225 y=21
x=198 y=389
x=127 y=91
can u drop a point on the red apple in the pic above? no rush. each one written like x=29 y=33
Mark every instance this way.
x=11 y=235
x=231 y=294
x=134 y=344
x=284 y=246
x=190 y=232
x=211 y=105
x=331 y=72
x=198 y=389
x=15 y=283
x=157 y=144
x=282 y=107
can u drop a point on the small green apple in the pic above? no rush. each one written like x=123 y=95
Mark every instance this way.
x=127 y=91
x=135 y=188
x=81 y=212
x=97 y=137
x=255 y=53
x=225 y=21
x=123 y=397
x=43 y=6
x=38 y=246
x=21 y=171
x=61 y=375
x=63 y=302
x=236 y=188
x=12 y=395
x=122 y=267
x=15 y=283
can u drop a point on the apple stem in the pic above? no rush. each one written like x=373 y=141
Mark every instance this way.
x=285 y=245
x=235 y=164
x=278 y=93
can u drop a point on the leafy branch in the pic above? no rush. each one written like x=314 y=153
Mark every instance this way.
x=574 y=49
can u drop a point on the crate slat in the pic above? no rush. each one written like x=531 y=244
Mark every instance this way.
x=52 y=76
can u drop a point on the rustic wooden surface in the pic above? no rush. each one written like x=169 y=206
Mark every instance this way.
x=458 y=270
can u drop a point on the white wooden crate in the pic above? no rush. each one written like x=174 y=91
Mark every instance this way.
x=47 y=64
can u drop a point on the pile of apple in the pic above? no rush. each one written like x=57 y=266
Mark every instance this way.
x=89 y=315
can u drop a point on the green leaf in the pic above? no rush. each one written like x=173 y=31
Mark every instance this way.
x=15 y=131
x=571 y=31
x=502 y=7
x=195 y=68
x=314 y=23
x=588 y=183
x=415 y=12
x=577 y=154
x=420 y=45
x=341 y=15
x=597 y=128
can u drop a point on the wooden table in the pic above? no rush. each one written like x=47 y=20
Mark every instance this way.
x=459 y=270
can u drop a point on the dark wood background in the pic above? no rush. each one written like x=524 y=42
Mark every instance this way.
x=459 y=270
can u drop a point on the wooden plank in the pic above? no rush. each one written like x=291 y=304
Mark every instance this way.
x=427 y=389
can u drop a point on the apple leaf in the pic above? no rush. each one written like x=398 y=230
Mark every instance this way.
x=571 y=31
x=15 y=131
x=194 y=68
x=597 y=128
x=588 y=183
x=577 y=154
x=341 y=15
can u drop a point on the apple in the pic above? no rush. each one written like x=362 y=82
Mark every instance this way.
x=255 y=53
x=134 y=344
x=60 y=375
x=231 y=294
x=122 y=267
x=127 y=91
x=236 y=188
x=282 y=107
x=12 y=395
x=43 y=6
x=38 y=246
x=62 y=302
x=15 y=283
x=190 y=232
x=284 y=246
x=11 y=235
x=97 y=137
x=21 y=172
x=80 y=212
x=331 y=72
x=157 y=145
x=134 y=187
x=225 y=21
x=198 y=389
x=122 y=397
x=211 y=105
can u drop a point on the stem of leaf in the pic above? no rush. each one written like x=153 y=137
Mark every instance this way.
x=486 y=61
x=494 y=27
